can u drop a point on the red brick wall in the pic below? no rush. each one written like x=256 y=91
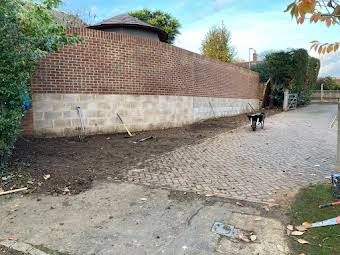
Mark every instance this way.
x=27 y=123
x=110 y=63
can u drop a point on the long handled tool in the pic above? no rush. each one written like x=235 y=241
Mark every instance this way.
x=330 y=204
x=252 y=107
x=126 y=128
x=329 y=222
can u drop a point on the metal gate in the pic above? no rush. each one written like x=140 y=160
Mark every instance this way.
x=292 y=101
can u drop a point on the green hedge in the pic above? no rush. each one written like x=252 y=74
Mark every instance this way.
x=293 y=69
x=27 y=32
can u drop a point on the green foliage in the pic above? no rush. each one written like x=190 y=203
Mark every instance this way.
x=329 y=83
x=27 y=32
x=312 y=73
x=9 y=130
x=300 y=66
x=161 y=20
x=323 y=241
x=262 y=69
x=280 y=67
x=293 y=69
x=217 y=44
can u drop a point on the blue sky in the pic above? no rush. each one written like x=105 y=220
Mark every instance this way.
x=261 y=24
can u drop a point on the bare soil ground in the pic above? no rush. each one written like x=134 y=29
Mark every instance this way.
x=72 y=165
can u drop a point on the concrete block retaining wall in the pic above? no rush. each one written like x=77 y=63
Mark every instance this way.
x=56 y=114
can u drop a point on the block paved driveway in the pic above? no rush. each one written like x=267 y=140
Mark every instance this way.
x=294 y=149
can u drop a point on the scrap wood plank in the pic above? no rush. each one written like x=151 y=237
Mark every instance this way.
x=12 y=191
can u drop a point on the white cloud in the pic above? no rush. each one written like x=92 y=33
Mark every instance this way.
x=190 y=39
x=330 y=64
x=263 y=32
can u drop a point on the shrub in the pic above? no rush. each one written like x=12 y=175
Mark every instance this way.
x=312 y=73
x=262 y=69
x=27 y=33
x=329 y=83
x=293 y=69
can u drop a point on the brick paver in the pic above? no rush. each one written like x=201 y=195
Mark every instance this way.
x=294 y=149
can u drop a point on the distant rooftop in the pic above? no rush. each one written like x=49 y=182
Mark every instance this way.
x=127 y=21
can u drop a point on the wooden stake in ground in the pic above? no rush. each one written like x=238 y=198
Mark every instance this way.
x=13 y=191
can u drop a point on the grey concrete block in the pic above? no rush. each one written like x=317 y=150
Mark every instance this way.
x=42 y=106
x=40 y=124
x=75 y=122
x=61 y=123
x=38 y=115
x=87 y=97
x=91 y=114
x=53 y=115
x=70 y=114
x=71 y=98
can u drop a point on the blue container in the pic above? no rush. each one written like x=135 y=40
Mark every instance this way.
x=26 y=102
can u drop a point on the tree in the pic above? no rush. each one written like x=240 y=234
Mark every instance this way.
x=280 y=67
x=161 y=20
x=327 y=11
x=27 y=33
x=312 y=72
x=262 y=69
x=294 y=70
x=329 y=83
x=300 y=59
x=217 y=44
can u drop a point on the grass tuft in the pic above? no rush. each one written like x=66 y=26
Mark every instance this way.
x=325 y=240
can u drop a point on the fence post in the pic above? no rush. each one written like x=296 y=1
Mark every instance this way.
x=285 y=99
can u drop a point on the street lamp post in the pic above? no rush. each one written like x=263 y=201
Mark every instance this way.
x=250 y=49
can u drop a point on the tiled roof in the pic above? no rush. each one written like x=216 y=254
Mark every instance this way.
x=125 y=20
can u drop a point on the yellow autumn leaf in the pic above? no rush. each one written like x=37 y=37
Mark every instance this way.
x=302 y=241
x=336 y=47
x=330 y=48
x=306 y=6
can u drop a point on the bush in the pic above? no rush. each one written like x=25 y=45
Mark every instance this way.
x=9 y=130
x=262 y=69
x=312 y=73
x=329 y=83
x=293 y=69
x=27 y=33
